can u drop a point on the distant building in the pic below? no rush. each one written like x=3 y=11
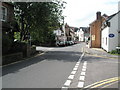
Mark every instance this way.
x=80 y=34
x=95 y=30
x=110 y=33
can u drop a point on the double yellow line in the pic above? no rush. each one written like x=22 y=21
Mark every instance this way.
x=103 y=83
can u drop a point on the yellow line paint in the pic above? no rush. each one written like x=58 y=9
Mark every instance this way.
x=102 y=81
x=110 y=84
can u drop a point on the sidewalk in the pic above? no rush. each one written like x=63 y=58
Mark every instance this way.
x=99 y=52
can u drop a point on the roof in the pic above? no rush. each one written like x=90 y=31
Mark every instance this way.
x=111 y=16
x=85 y=29
x=104 y=16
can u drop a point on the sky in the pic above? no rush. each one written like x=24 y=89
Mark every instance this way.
x=80 y=13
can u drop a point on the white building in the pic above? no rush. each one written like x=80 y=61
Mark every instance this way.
x=80 y=35
x=110 y=33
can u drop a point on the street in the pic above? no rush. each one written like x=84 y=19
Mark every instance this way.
x=62 y=67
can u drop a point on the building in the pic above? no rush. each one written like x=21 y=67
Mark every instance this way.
x=80 y=35
x=9 y=26
x=110 y=33
x=69 y=32
x=95 y=30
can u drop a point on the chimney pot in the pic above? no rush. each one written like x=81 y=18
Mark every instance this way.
x=98 y=15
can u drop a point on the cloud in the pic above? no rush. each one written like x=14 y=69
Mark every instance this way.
x=82 y=12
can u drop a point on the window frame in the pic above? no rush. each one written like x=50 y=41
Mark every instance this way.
x=5 y=14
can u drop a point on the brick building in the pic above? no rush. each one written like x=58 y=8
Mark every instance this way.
x=95 y=30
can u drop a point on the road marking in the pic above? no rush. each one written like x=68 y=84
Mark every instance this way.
x=82 y=78
x=85 y=63
x=73 y=72
x=80 y=84
x=71 y=77
x=96 y=83
x=75 y=69
x=82 y=73
x=104 y=83
x=78 y=62
x=76 y=66
x=67 y=83
x=109 y=84
x=84 y=69
x=64 y=88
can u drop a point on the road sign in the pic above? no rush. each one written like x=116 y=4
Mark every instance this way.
x=111 y=35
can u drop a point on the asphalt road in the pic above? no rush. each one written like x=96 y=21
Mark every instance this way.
x=63 y=67
x=49 y=70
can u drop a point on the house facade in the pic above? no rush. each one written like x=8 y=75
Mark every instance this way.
x=95 y=30
x=80 y=34
x=110 y=33
x=7 y=15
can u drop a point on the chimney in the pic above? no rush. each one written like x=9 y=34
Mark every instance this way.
x=98 y=15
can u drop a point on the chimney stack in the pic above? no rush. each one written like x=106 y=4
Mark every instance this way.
x=98 y=15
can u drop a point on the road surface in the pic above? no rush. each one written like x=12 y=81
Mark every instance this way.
x=62 y=67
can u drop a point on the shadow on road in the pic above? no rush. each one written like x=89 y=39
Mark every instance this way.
x=64 y=56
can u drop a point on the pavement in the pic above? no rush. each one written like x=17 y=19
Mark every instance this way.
x=99 y=52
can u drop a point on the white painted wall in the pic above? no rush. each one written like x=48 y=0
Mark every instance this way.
x=104 y=35
x=80 y=35
x=114 y=30
x=112 y=43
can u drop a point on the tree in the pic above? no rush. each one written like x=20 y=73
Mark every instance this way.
x=38 y=19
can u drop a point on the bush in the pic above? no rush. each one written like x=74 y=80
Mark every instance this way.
x=6 y=44
x=115 y=52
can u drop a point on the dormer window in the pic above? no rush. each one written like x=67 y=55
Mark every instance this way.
x=4 y=14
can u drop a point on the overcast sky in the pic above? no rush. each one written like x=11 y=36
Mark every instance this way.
x=82 y=12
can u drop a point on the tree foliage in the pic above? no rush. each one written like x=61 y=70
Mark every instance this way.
x=38 y=19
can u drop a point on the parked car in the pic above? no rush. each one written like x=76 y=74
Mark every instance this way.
x=61 y=43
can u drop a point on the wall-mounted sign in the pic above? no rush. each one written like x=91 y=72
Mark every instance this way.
x=93 y=37
x=111 y=35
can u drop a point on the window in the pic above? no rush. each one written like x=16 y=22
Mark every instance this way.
x=4 y=13
x=106 y=40
x=103 y=40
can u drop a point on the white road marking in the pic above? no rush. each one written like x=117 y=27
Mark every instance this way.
x=71 y=77
x=64 y=88
x=85 y=63
x=67 y=83
x=73 y=72
x=77 y=64
x=82 y=73
x=82 y=78
x=84 y=69
x=75 y=69
x=80 y=84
